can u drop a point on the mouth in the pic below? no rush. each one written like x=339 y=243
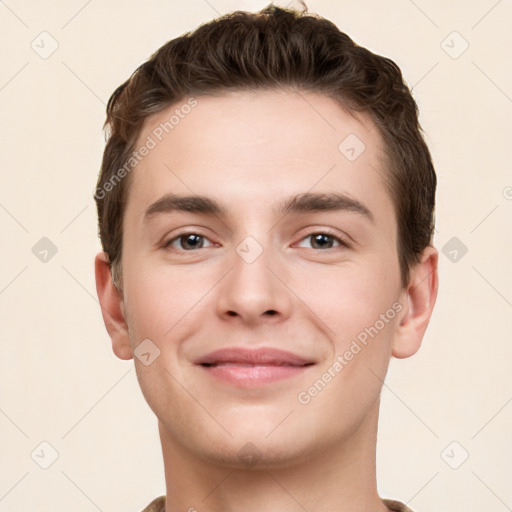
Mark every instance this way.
x=237 y=364
x=253 y=368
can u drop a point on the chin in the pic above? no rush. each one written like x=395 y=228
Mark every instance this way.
x=256 y=454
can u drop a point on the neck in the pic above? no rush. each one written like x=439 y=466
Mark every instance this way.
x=340 y=479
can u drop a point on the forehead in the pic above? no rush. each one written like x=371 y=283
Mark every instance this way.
x=247 y=147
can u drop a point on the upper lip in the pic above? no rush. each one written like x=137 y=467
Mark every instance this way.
x=260 y=356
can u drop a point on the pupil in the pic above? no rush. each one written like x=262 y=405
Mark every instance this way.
x=321 y=240
x=194 y=238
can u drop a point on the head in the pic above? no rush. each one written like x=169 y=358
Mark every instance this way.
x=251 y=110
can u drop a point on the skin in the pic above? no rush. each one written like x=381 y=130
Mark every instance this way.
x=250 y=152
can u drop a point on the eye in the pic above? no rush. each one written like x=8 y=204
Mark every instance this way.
x=187 y=242
x=324 y=240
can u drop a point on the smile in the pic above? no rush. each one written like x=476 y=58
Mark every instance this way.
x=253 y=368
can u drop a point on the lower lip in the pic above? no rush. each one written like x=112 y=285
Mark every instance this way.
x=253 y=376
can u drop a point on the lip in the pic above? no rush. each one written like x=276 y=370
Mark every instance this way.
x=253 y=368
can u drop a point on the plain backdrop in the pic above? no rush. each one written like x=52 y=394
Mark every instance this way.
x=446 y=419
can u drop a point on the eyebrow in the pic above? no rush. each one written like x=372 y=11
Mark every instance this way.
x=316 y=202
x=301 y=203
x=194 y=204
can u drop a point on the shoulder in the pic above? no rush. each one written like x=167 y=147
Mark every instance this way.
x=396 y=506
x=157 y=505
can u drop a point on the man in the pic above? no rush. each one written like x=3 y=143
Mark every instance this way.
x=265 y=208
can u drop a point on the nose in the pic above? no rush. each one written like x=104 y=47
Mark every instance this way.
x=255 y=291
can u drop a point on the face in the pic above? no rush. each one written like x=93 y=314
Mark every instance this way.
x=272 y=303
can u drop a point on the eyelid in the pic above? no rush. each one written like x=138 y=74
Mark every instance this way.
x=320 y=231
x=325 y=231
x=167 y=242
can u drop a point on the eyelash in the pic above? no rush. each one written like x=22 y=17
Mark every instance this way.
x=330 y=234
x=167 y=244
x=342 y=243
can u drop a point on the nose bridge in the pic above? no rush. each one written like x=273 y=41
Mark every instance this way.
x=252 y=289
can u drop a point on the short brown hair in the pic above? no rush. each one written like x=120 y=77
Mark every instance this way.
x=275 y=48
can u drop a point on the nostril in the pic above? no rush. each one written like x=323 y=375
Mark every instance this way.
x=271 y=312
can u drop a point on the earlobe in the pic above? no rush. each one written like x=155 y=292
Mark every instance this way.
x=418 y=299
x=112 y=308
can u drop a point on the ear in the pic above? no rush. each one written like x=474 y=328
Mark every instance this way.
x=112 y=308
x=418 y=299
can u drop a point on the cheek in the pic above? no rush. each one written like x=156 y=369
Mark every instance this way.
x=360 y=307
x=164 y=303
x=351 y=298
x=362 y=318
x=151 y=304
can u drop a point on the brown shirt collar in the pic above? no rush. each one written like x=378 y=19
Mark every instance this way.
x=158 y=505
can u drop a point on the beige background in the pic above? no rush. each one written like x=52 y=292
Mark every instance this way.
x=60 y=381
